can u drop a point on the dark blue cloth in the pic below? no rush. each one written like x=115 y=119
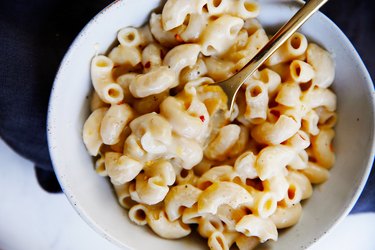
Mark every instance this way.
x=34 y=36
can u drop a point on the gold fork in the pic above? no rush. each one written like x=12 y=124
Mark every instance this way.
x=233 y=84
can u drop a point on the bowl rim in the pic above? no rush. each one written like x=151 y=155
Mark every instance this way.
x=91 y=222
x=50 y=130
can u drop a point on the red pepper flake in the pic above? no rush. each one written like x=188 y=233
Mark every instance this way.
x=331 y=147
x=276 y=113
x=121 y=102
x=202 y=118
x=148 y=65
x=178 y=38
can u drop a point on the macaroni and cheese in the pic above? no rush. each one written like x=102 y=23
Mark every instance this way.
x=161 y=131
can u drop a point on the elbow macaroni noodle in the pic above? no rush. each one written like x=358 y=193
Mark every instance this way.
x=162 y=133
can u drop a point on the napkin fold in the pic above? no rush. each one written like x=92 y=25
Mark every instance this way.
x=34 y=36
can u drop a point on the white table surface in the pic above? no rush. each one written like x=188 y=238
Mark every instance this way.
x=31 y=218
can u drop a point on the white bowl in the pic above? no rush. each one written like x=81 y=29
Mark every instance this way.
x=92 y=195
